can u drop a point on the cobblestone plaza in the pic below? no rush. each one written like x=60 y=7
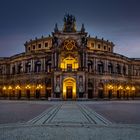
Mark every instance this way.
x=102 y=120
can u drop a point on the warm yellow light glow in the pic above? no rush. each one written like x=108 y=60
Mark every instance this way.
x=69 y=61
x=10 y=87
x=127 y=88
x=18 y=87
x=28 y=87
x=133 y=88
x=4 y=88
x=110 y=87
x=39 y=86
x=69 y=82
x=120 y=87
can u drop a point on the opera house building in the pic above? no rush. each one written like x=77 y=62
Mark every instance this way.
x=69 y=65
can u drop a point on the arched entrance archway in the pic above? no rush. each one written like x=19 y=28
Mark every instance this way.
x=28 y=93
x=90 y=90
x=69 y=88
x=100 y=90
x=37 y=93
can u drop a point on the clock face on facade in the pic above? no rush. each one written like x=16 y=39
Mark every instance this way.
x=69 y=44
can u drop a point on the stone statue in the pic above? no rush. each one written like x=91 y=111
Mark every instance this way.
x=81 y=84
x=84 y=41
x=56 y=28
x=83 y=28
x=69 y=23
x=57 y=88
x=55 y=41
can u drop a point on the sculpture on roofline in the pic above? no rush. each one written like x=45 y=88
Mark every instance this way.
x=56 y=28
x=69 y=23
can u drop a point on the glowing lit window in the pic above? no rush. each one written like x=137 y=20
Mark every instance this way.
x=69 y=63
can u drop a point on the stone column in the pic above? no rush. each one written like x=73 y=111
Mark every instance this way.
x=11 y=65
x=42 y=65
x=32 y=65
x=96 y=66
x=121 y=68
x=44 y=61
x=86 y=60
x=56 y=60
x=106 y=68
x=52 y=85
x=86 y=87
x=16 y=68
x=83 y=59
x=52 y=59
x=23 y=66
x=94 y=88
x=114 y=68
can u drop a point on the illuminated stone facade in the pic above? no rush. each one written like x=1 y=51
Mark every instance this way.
x=69 y=64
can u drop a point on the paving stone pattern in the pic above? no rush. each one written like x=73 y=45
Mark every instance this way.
x=69 y=121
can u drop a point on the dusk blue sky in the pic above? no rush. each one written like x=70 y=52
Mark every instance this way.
x=115 y=20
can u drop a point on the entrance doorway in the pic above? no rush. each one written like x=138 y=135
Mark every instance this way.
x=69 y=92
x=110 y=94
x=100 y=94
x=100 y=90
x=37 y=94
x=19 y=94
x=90 y=91
x=48 y=93
x=69 y=88
x=28 y=93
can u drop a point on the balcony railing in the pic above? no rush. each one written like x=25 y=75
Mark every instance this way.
x=69 y=70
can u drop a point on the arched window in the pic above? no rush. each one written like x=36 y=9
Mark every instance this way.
x=124 y=70
x=69 y=63
x=100 y=67
x=90 y=90
x=19 y=68
x=13 y=69
x=118 y=69
x=1 y=70
x=48 y=66
x=37 y=66
x=110 y=68
x=101 y=90
x=28 y=93
x=28 y=67
x=90 y=65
